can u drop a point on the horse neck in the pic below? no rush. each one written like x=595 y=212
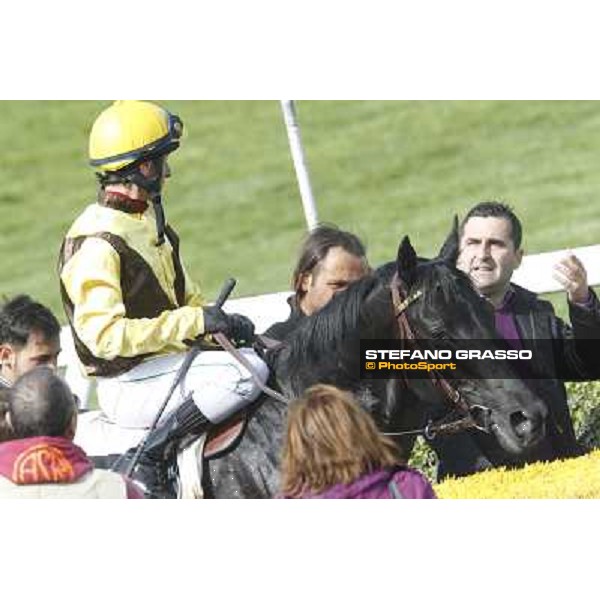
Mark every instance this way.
x=325 y=347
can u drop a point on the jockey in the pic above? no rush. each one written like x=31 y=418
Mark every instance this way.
x=129 y=300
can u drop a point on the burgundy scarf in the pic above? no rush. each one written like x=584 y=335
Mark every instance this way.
x=122 y=202
x=43 y=460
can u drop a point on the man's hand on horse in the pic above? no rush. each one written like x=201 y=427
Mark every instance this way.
x=571 y=274
x=238 y=328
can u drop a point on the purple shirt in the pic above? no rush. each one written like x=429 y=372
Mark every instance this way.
x=506 y=324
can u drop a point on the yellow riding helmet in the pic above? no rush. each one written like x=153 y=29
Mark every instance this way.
x=131 y=130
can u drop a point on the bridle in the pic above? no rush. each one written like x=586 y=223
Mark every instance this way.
x=470 y=417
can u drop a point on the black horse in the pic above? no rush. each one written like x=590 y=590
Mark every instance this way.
x=436 y=301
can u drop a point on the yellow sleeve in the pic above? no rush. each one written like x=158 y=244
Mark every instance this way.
x=193 y=295
x=92 y=281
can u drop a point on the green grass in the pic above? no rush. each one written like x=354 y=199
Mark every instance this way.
x=382 y=169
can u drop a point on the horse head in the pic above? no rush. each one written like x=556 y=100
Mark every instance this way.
x=439 y=304
x=441 y=308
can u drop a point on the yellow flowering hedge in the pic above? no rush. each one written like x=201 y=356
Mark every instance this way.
x=570 y=478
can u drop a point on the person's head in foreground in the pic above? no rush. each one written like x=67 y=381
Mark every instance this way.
x=41 y=404
x=333 y=449
x=41 y=460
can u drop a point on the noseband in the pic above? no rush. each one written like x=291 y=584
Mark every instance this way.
x=471 y=417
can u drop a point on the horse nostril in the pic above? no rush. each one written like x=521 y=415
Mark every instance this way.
x=524 y=425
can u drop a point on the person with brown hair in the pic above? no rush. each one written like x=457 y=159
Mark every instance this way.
x=330 y=259
x=333 y=449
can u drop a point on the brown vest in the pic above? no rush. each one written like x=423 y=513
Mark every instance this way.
x=143 y=296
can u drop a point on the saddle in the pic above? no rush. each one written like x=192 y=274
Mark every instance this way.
x=222 y=438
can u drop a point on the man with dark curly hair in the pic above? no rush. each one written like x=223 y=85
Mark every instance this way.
x=29 y=337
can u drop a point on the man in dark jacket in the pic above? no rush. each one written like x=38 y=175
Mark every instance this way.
x=330 y=259
x=490 y=251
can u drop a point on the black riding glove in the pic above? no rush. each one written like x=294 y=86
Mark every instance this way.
x=242 y=329
x=238 y=328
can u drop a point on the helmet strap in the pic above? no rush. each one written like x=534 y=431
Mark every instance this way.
x=160 y=218
x=152 y=185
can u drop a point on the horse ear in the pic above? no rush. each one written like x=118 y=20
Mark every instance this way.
x=449 y=250
x=406 y=263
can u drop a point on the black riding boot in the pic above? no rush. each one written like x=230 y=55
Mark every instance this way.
x=185 y=420
x=156 y=467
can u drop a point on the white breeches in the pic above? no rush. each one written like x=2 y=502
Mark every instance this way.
x=219 y=385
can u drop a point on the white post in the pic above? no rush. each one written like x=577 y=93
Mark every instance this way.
x=299 y=160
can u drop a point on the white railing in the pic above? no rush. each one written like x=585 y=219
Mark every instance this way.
x=535 y=274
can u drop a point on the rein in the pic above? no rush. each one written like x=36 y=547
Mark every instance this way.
x=452 y=395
